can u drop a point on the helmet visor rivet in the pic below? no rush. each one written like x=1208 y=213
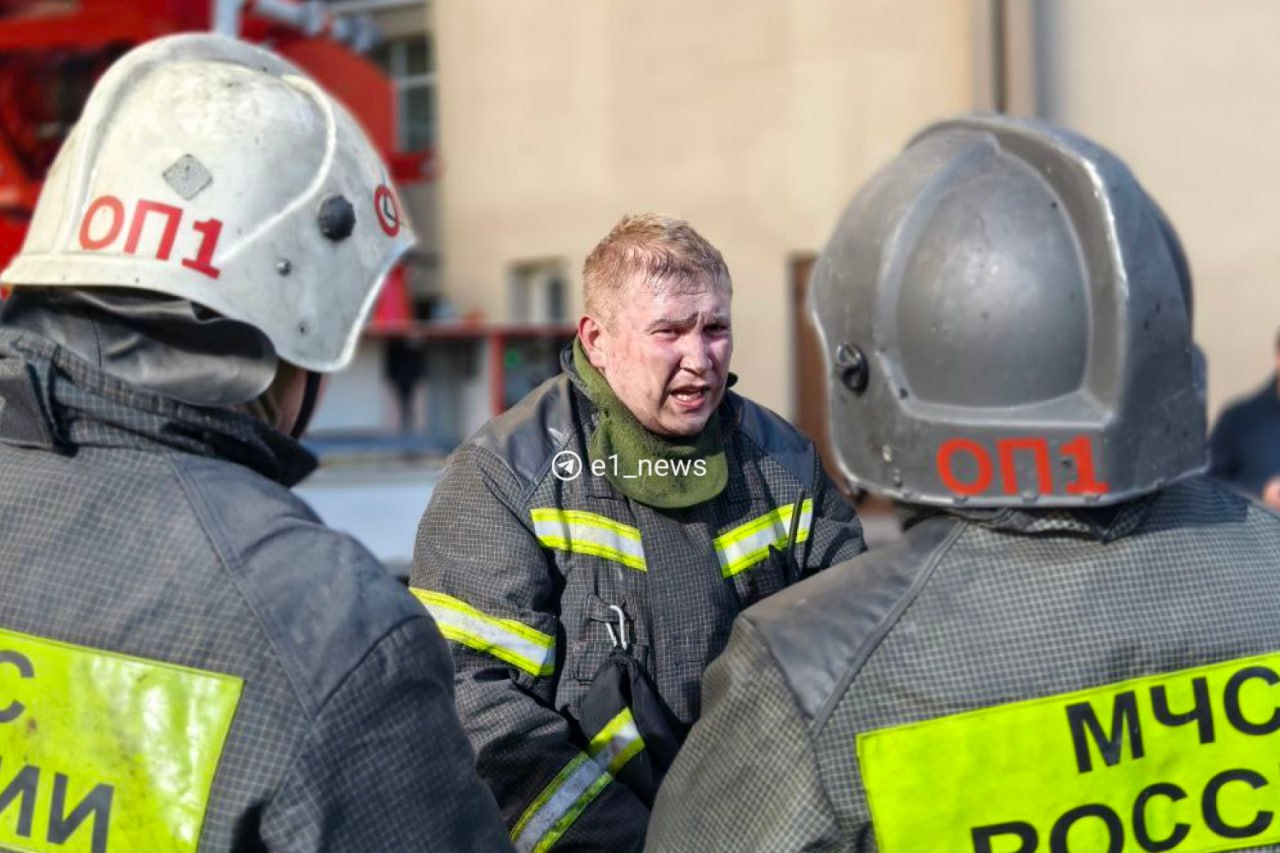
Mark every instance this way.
x=337 y=218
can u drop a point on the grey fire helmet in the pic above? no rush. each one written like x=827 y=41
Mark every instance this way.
x=1005 y=315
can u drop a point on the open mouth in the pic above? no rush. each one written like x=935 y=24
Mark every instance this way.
x=691 y=397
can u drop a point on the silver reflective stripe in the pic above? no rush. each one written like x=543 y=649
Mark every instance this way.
x=744 y=546
x=617 y=743
x=588 y=533
x=506 y=639
x=559 y=805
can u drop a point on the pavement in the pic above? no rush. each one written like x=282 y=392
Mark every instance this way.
x=377 y=502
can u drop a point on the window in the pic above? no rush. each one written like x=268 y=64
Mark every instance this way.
x=537 y=292
x=410 y=62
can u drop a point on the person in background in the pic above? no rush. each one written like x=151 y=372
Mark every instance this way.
x=1244 y=448
x=403 y=362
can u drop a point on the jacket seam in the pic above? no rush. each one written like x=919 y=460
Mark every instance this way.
x=305 y=744
x=764 y=451
x=518 y=508
x=529 y=486
x=526 y=497
x=207 y=521
x=199 y=507
x=575 y=429
x=811 y=726
x=887 y=624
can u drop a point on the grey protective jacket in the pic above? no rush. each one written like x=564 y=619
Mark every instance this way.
x=1106 y=679
x=189 y=657
x=521 y=568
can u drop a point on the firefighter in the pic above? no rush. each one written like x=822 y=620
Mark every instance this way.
x=587 y=552
x=1073 y=646
x=190 y=659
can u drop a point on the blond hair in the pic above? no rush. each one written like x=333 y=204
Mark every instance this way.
x=661 y=250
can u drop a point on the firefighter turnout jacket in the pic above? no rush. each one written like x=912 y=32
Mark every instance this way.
x=1005 y=681
x=189 y=658
x=534 y=570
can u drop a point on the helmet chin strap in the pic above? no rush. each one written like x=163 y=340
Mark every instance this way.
x=309 y=397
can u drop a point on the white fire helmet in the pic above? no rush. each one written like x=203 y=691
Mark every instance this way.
x=212 y=170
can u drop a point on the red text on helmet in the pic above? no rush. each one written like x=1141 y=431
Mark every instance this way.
x=1076 y=455
x=109 y=211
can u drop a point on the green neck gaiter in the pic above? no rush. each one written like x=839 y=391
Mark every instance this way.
x=652 y=470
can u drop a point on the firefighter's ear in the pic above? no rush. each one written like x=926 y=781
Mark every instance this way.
x=592 y=334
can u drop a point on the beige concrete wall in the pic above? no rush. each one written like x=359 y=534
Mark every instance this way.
x=1187 y=92
x=421 y=198
x=754 y=119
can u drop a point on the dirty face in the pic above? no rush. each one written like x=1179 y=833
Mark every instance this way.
x=665 y=352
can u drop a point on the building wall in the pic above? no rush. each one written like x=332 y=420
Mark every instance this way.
x=413 y=20
x=359 y=400
x=754 y=119
x=1186 y=92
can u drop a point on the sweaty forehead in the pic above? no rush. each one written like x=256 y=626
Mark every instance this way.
x=647 y=290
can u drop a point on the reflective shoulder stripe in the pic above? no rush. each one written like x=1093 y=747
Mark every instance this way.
x=559 y=805
x=617 y=743
x=744 y=546
x=588 y=533
x=505 y=639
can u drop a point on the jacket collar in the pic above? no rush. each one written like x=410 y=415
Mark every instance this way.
x=654 y=492
x=1104 y=524
x=53 y=399
x=729 y=411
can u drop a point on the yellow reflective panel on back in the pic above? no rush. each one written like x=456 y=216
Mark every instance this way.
x=1187 y=761
x=103 y=752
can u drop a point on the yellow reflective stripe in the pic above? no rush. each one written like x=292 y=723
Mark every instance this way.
x=745 y=545
x=106 y=750
x=587 y=518
x=617 y=743
x=505 y=639
x=578 y=807
x=588 y=533
x=559 y=805
x=561 y=802
x=1189 y=755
